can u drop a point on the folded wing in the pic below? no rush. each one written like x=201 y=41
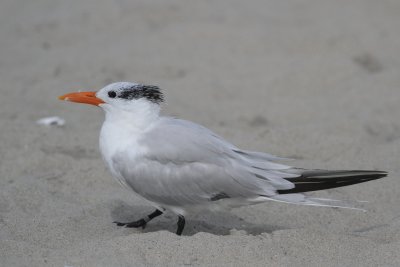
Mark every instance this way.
x=187 y=164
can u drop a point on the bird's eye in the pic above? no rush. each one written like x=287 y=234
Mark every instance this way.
x=112 y=94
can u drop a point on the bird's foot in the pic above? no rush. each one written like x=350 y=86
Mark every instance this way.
x=136 y=224
x=142 y=222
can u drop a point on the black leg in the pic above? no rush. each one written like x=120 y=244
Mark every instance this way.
x=181 y=225
x=142 y=222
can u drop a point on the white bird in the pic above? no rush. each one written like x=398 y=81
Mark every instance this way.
x=183 y=167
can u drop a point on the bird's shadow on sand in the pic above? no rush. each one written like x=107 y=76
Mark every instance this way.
x=221 y=223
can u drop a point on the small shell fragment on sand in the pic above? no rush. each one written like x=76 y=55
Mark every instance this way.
x=51 y=121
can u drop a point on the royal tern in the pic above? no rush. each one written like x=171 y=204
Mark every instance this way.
x=183 y=167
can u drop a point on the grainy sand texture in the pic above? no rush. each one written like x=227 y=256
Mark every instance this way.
x=314 y=80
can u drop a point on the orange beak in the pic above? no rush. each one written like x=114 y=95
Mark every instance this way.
x=82 y=97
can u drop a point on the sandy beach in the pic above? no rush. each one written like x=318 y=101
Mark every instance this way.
x=313 y=80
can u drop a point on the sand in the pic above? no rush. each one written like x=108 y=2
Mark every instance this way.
x=317 y=81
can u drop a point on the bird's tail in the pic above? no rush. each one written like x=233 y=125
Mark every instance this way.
x=313 y=180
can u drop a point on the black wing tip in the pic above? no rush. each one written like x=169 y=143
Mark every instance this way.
x=320 y=180
x=343 y=171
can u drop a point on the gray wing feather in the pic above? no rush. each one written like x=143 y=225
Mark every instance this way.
x=185 y=163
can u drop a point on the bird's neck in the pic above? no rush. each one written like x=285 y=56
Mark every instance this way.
x=122 y=129
x=136 y=119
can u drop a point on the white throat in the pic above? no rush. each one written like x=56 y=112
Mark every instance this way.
x=135 y=117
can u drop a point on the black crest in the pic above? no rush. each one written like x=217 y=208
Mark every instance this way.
x=150 y=92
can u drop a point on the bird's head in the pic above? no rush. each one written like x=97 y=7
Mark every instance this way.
x=120 y=96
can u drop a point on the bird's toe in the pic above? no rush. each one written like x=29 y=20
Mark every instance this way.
x=120 y=223
x=136 y=224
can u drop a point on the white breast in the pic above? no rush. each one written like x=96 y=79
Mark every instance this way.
x=116 y=138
